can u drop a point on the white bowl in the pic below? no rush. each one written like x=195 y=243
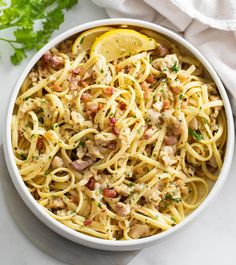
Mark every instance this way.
x=77 y=236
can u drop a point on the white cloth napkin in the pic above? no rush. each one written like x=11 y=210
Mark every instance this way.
x=210 y=25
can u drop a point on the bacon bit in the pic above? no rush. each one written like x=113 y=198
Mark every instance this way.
x=170 y=140
x=109 y=193
x=86 y=97
x=109 y=91
x=111 y=146
x=73 y=199
x=148 y=133
x=80 y=165
x=47 y=56
x=176 y=90
x=100 y=106
x=115 y=130
x=75 y=71
x=150 y=79
x=81 y=70
x=40 y=143
x=56 y=62
x=112 y=120
x=166 y=104
x=88 y=222
x=144 y=85
x=91 y=108
x=122 y=106
x=84 y=84
x=177 y=130
x=147 y=94
x=91 y=183
x=36 y=195
x=56 y=88
x=162 y=50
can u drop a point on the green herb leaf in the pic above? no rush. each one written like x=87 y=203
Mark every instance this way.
x=22 y=15
x=204 y=120
x=170 y=197
x=2 y=3
x=131 y=184
x=195 y=135
x=18 y=56
x=82 y=143
x=175 y=67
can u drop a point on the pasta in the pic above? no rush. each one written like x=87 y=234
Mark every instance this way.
x=119 y=150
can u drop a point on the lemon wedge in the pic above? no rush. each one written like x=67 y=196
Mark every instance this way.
x=118 y=43
x=87 y=38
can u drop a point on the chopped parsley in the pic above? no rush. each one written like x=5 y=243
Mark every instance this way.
x=170 y=197
x=82 y=143
x=23 y=156
x=131 y=184
x=205 y=121
x=175 y=67
x=47 y=172
x=99 y=205
x=181 y=96
x=197 y=136
x=131 y=193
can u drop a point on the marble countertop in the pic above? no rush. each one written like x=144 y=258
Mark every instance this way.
x=210 y=239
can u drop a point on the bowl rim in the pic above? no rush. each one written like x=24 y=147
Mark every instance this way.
x=79 y=237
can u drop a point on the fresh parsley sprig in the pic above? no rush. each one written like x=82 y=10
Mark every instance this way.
x=22 y=15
